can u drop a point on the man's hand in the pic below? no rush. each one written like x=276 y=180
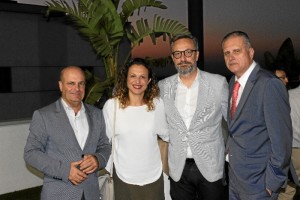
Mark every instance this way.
x=89 y=164
x=76 y=176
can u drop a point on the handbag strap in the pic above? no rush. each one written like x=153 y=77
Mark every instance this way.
x=113 y=137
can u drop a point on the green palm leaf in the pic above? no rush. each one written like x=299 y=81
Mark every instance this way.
x=160 y=26
x=129 y=6
x=98 y=21
x=96 y=88
x=168 y=26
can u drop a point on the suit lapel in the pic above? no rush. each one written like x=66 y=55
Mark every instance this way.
x=65 y=125
x=169 y=97
x=203 y=96
x=91 y=125
x=246 y=92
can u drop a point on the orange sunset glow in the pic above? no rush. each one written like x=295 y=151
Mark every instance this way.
x=147 y=49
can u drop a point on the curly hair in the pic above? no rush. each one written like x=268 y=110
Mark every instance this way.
x=121 y=90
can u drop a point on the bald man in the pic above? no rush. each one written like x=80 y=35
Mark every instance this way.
x=67 y=142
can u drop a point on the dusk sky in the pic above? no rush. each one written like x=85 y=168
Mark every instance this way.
x=268 y=23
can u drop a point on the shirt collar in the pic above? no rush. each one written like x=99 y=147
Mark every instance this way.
x=69 y=109
x=243 y=79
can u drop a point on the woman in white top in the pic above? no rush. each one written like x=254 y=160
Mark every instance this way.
x=140 y=119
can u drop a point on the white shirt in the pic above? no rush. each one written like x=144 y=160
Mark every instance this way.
x=186 y=103
x=79 y=123
x=137 y=157
x=243 y=80
x=294 y=96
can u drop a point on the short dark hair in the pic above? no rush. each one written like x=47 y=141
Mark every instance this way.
x=279 y=67
x=184 y=36
x=238 y=34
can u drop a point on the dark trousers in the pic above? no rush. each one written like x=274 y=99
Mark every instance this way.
x=193 y=186
x=125 y=191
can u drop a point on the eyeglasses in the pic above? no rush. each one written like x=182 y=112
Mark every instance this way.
x=187 y=53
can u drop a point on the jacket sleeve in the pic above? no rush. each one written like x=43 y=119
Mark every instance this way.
x=279 y=127
x=35 y=151
x=161 y=126
x=103 y=150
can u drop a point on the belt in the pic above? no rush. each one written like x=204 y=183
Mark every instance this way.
x=190 y=160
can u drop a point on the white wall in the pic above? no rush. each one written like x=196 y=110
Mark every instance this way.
x=14 y=175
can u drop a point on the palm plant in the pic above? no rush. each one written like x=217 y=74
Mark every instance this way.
x=100 y=22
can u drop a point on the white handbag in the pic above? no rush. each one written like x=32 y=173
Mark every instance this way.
x=106 y=187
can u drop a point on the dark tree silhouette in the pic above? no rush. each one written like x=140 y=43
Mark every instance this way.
x=285 y=59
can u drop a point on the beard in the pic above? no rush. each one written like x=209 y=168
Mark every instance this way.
x=185 y=70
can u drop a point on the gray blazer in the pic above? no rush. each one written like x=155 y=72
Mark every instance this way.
x=205 y=132
x=52 y=145
x=260 y=135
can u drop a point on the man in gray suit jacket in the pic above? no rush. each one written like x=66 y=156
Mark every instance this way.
x=195 y=102
x=260 y=129
x=67 y=142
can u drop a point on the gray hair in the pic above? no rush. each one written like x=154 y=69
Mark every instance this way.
x=238 y=34
x=184 y=36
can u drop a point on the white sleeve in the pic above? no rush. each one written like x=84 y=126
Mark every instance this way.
x=108 y=113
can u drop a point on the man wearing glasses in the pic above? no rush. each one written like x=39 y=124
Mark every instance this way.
x=195 y=102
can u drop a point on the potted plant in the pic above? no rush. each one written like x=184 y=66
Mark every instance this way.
x=100 y=22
